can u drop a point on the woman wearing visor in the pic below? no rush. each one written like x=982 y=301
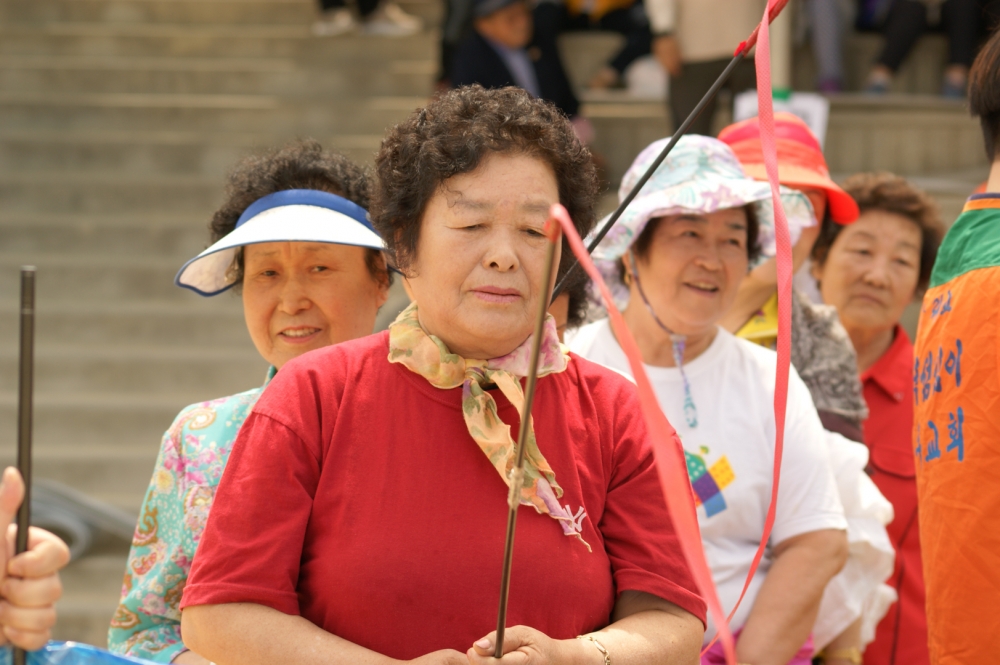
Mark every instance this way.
x=676 y=259
x=294 y=238
x=362 y=515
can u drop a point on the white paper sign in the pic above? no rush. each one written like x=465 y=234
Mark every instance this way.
x=812 y=108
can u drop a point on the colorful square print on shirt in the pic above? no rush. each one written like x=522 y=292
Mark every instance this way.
x=708 y=482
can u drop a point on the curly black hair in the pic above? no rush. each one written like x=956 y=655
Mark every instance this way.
x=301 y=164
x=451 y=136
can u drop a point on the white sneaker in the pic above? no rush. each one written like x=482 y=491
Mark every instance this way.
x=391 y=21
x=335 y=22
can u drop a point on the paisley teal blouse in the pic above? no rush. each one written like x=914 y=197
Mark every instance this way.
x=194 y=452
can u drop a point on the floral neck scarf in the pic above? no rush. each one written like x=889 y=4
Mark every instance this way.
x=426 y=355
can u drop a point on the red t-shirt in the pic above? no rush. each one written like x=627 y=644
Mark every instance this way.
x=356 y=497
x=901 y=637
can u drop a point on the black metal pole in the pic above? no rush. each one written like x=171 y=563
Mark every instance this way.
x=25 y=408
x=517 y=473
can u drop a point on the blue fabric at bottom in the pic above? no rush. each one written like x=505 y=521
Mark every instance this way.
x=71 y=653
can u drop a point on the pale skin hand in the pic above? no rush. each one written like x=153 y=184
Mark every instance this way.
x=761 y=282
x=668 y=53
x=646 y=629
x=29 y=583
x=785 y=610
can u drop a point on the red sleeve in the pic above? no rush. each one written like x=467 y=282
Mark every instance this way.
x=252 y=545
x=638 y=533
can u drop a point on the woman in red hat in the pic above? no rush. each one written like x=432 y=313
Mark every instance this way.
x=822 y=354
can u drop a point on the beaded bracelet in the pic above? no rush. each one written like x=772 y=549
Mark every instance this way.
x=600 y=647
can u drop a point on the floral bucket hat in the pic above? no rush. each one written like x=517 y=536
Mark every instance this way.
x=700 y=175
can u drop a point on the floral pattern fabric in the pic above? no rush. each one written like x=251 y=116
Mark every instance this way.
x=426 y=355
x=193 y=455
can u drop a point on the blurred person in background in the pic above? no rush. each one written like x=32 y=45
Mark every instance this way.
x=505 y=50
x=674 y=262
x=626 y=17
x=964 y=21
x=957 y=392
x=374 y=17
x=870 y=271
x=821 y=350
x=293 y=238
x=826 y=29
x=694 y=40
x=822 y=354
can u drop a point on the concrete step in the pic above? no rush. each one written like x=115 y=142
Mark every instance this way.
x=153 y=152
x=905 y=134
x=91 y=591
x=283 y=77
x=920 y=73
x=178 y=237
x=108 y=192
x=241 y=12
x=221 y=40
x=120 y=280
x=98 y=471
x=214 y=323
x=140 y=369
x=90 y=419
x=228 y=12
x=203 y=113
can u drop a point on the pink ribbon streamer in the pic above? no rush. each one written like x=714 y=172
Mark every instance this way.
x=670 y=464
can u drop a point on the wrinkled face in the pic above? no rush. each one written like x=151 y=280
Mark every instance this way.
x=477 y=276
x=511 y=26
x=693 y=269
x=300 y=296
x=870 y=274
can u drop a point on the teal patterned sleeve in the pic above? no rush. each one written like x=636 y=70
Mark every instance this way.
x=147 y=621
x=193 y=455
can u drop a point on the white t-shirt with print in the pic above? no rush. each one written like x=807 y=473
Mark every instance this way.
x=730 y=453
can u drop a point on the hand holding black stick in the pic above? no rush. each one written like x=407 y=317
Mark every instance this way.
x=25 y=401
x=741 y=52
x=517 y=473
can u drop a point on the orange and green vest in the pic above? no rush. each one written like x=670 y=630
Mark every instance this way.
x=956 y=438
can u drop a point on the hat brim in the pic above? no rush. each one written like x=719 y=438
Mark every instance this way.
x=704 y=196
x=843 y=208
x=207 y=273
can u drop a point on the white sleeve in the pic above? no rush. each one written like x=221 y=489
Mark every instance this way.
x=808 y=499
x=662 y=15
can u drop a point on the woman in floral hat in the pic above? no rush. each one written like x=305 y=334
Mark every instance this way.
x=362 y=515
x=677 y=257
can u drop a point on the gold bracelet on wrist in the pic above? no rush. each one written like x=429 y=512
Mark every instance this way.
x=600 y=647
x=850 y=654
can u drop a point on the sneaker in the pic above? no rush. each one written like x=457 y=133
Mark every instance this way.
x=878 y=82
x=335 y=22
x=391 y=21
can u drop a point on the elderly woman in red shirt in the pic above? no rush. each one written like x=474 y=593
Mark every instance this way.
x=361 y=518
x=871 y=270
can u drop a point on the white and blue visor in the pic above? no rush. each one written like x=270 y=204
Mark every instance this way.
x=291 y=215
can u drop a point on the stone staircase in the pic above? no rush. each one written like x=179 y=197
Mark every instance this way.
x=118 y=121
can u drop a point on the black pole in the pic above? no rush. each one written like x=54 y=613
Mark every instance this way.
x=24 y=421
x=517 y=473
x=709 y=96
